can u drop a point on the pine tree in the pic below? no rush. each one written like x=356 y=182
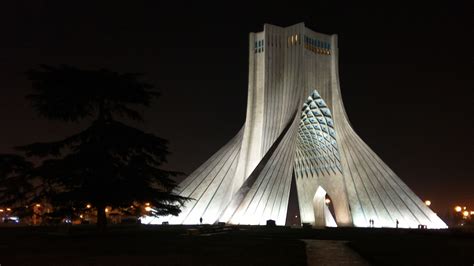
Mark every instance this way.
x=109 y=163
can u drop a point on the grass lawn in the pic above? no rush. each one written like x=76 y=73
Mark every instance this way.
x=243 y=245
x=413 y=248
x=145 y=246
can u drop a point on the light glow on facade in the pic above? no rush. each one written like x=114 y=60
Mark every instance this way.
x=297 y=129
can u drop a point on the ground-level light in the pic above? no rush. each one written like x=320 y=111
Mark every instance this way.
x=465 y=213
x=147 y=208
x=327 y=201
x=458 y=209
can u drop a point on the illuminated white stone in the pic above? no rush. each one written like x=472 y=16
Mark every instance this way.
x=296 y=125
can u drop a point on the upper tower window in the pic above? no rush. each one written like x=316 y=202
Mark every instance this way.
x=293 y=39
x=317 y=46
x=259 y=46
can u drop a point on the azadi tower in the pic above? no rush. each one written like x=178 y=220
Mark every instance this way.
x=296 y=128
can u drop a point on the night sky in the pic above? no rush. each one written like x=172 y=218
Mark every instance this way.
x=406 y=76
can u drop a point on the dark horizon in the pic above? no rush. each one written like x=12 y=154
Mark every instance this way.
x=406 y=77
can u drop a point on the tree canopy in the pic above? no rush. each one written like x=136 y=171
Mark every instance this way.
x=109 y=163
x=16 y=187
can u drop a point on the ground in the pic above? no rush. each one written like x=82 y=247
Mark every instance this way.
x=208 y=245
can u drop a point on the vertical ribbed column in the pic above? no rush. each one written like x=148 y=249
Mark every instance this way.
x=250 y=153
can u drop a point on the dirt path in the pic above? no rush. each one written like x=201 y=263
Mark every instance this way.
x=331 y=252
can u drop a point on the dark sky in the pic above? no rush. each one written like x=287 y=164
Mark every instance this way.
x=406 y=75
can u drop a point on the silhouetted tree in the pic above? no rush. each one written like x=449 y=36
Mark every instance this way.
x=16 y=185
x=109 y=163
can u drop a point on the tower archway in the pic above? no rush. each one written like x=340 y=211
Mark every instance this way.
x=318 y=165
x=323 y=209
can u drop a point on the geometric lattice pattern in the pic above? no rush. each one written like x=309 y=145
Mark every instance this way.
x=317 y=151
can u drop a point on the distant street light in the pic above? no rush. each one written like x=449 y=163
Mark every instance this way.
x=38 y=205
x=427 y=202
x=88 y=206
x=147 y=208
x=327 y=201
x=465 y=213
x=458 y=209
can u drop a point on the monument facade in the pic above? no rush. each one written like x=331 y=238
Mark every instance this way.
x=296 y=128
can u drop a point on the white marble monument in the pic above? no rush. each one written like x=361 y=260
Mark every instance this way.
x=296 y=127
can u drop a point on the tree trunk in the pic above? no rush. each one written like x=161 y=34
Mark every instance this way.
x=101 y=217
